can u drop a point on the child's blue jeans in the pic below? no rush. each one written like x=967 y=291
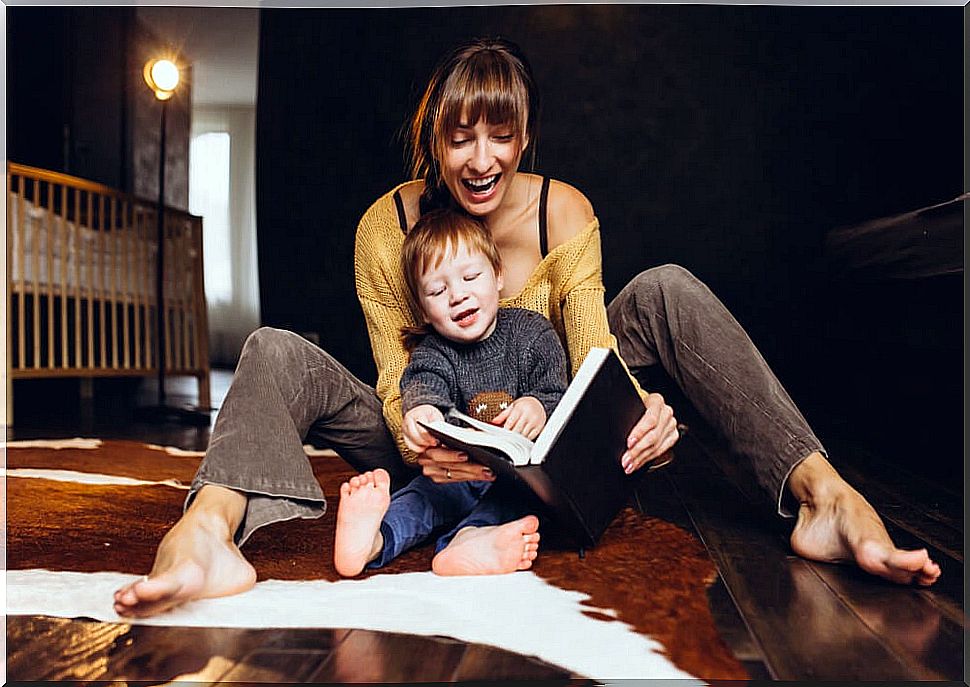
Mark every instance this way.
x=422 y=507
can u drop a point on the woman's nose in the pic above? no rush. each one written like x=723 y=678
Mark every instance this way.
x=481 y=159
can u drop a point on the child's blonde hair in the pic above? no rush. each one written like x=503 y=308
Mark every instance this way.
x=437 y=235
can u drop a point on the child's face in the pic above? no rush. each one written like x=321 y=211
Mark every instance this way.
x=460 y=296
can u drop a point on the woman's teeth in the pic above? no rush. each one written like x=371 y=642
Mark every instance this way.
x=481 y=185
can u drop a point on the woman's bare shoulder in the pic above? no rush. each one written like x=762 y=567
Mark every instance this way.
x=569 y=213
x=411 y=197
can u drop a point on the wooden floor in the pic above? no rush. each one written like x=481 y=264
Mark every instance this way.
x=783 y=617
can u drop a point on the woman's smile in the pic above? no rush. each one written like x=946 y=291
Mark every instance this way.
x=483 y=186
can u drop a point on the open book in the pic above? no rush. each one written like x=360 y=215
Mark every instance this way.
x=574 y=464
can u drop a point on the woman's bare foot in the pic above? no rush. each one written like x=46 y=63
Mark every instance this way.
x=196 y=559
x=363 y=501
x=490 y=550
x=837 y=525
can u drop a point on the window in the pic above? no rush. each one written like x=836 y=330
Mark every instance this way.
x=209 y=198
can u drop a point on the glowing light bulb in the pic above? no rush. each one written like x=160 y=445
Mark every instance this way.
x=162 y=76
x=165 y=75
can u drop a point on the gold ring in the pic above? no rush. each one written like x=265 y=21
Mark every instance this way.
x=447 y=473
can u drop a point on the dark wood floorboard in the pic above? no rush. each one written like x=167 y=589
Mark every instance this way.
x=656 y=495
x=59 y=649
x=930 y=512
x=814 y=621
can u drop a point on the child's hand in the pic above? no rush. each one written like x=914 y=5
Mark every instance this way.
x=416 y=437
x=525 y=416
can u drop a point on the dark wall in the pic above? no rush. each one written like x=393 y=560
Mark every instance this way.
x=726 y=139
x=77 y=102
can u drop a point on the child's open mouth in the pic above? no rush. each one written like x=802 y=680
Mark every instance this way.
x=466 y=318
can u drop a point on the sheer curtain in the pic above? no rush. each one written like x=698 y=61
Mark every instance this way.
x=230 y=247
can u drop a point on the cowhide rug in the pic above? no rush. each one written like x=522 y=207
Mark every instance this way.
x=85 y=516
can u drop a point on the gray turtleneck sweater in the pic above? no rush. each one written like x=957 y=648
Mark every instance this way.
x=522 y=356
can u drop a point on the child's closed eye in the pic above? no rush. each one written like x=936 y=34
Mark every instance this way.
x=472 y=277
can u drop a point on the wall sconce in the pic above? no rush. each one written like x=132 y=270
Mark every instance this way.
x=162 y=76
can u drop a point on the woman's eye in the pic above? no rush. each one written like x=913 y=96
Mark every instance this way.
x=504 y=138
x=459 y=141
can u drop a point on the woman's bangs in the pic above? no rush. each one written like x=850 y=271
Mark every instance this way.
x=487 y=95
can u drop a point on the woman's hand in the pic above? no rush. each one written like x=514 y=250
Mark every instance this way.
x=654 y=434
x=416 y=437
x=441 y=464
x=525 y=416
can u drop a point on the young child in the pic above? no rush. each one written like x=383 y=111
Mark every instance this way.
x=466 y=346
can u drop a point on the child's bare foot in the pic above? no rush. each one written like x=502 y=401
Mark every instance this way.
x=490 y=550
x=196 y=559
x=837 y=525
x=363 y=502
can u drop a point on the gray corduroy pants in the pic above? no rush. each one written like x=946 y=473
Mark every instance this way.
x=287 y=391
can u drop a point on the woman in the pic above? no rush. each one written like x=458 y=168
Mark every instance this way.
x=474 y=124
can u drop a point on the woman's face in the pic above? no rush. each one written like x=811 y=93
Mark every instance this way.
x=479 y=161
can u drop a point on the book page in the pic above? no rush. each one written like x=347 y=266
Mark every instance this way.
x=524 y=445
x=515 y=448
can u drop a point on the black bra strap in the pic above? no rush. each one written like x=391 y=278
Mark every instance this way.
x=401 y=216
x=543 y=224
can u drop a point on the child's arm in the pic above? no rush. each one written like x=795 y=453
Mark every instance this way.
x=428 y=387
x=544 y=386
x=417 y=438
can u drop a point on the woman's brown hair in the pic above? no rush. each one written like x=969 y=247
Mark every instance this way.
x=439 y=234
x=485 y=78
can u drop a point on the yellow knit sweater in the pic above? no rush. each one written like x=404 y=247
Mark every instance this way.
x=566 y=287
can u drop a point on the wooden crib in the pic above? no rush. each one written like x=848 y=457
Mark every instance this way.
x=81 y=283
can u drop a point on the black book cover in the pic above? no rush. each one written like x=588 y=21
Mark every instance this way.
x=580 y=479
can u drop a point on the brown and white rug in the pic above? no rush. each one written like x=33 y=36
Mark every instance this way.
x=84 y=516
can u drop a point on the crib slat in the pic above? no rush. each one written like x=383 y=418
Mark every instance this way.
x=186 y=317
x=8 y=313
x=177 y=288
x=64 y=255
x=21 y=229
x=113 y=278
x=125 y=241
x=77 y=276
x=172 y=260
x=35 y=311
x=48 y=287
x=135 y=284
x=102 y=287
x=90 y=279
x=167 y=295
x=149 y=330
x=50 y=275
